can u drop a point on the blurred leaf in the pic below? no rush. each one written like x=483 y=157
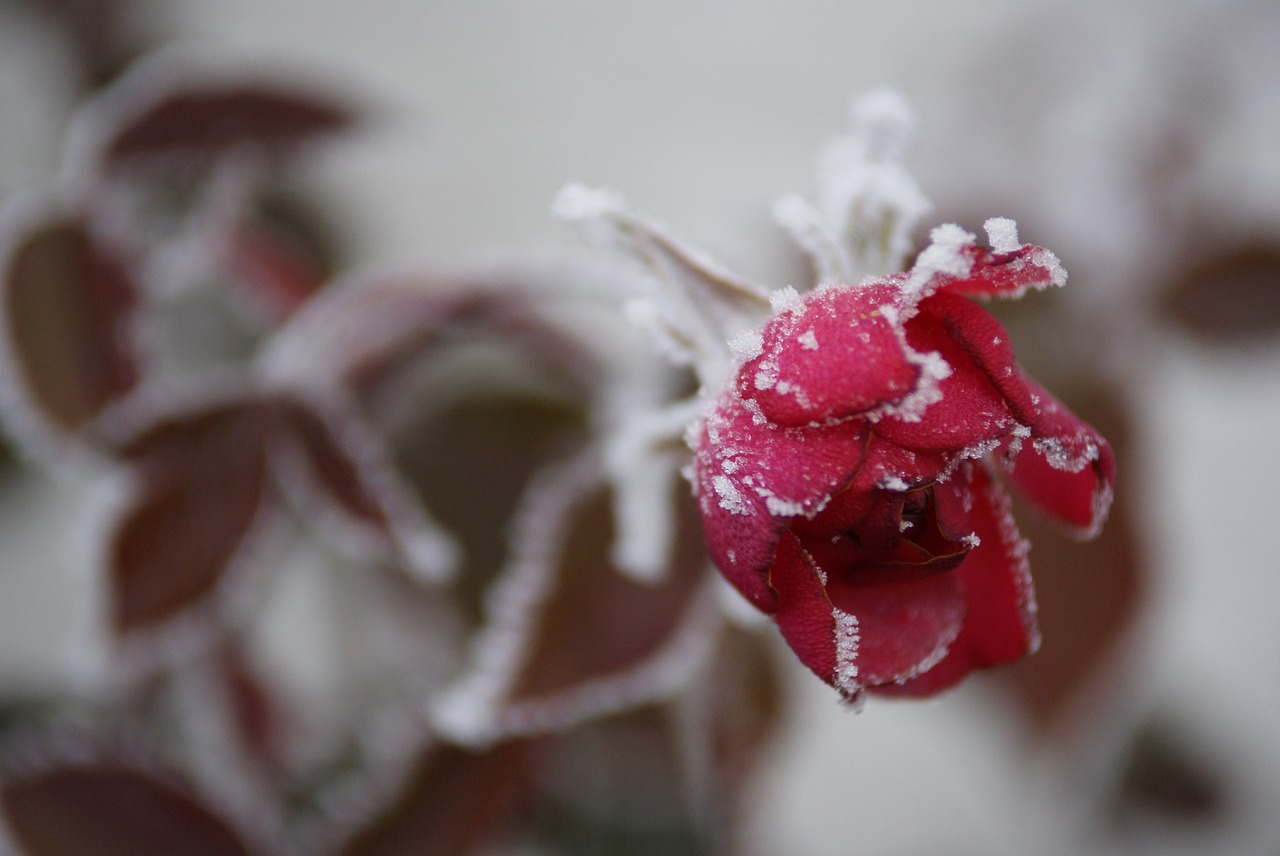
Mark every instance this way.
x=470 y=465
x=68 y=306
x=597 y=622
x=746 y=707
x=338 y=475
x=1230 y=297
x=455 y=804
x=199 y=124
x=106 y=810
x=1165 y=777
x=620 y=785
x=282 y=254
x=201 y=485
x=102 y=34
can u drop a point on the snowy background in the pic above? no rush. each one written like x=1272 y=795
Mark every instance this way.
x=1135 y=145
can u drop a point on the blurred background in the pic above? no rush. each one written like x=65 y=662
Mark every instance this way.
x=1141 y=146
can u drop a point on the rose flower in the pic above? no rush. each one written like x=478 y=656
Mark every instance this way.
x=850 y=471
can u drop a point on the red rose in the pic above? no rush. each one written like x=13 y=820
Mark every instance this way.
x=845 y=471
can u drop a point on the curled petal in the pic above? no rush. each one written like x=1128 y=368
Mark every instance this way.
x=1066 y=469
x=834 y=355
x=971 y=407
x=1010 y=271
x=999 y=622
x=805 y=614
x=754 y=479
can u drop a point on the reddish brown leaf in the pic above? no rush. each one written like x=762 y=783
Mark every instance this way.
x=276 y=270
x=104 y=810
x=338 y=476
x=598 y=622
x=471 y=464
x=199 y=124
x=201 y=486
x=453 y=806
x=68 y=304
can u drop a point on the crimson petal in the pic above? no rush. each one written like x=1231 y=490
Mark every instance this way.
x=1006 y=274
x=753 y=480
x=999 y=623
x=1066 y=469
x=804 y=613
x=972 y=408
x=835 y=355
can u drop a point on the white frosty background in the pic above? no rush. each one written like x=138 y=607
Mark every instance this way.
x=704 y=112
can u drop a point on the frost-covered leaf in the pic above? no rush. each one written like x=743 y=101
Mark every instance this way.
x=105 y=809
x=595 y=621
x=199 y=488
x=68 y=307
x=569 y=636
x=156 y=118
x=699 y=305
x=278 y=273
x=626 y=784
x=321 y=453
x=455 y=804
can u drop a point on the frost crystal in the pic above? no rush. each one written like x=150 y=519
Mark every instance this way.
x=1002 y=234
x=730 y=497
x=944 y=255
x=847 y=638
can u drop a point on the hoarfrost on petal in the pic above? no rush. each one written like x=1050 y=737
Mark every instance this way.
x=746 y=346
x=1002 y=234
x=945 y=255
x=731 y=499
x=785 y=299
x=847 y=639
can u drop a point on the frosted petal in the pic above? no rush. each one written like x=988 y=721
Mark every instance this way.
x=753 y=479
x=1066 y=469
x=835 y=355
x=999 y=624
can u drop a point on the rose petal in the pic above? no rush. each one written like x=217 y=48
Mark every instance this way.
x=985 y=341
x=1066 y=469
x=972 y=409
x=906 y=617
x=752 y=479
x=804 y=613
x=999 y=621
x=836 y=355
x=1006 y=274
